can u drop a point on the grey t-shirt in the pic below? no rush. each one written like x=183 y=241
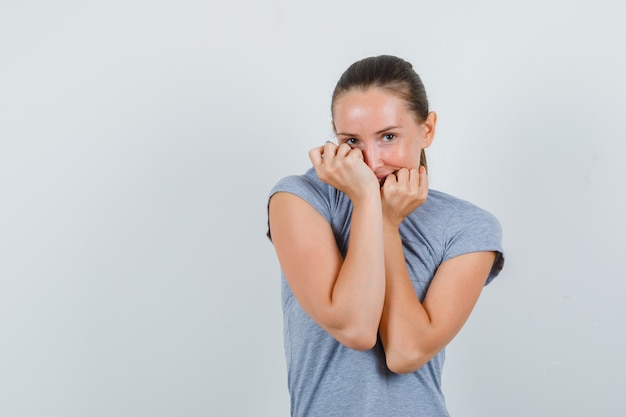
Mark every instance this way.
x=327 y=379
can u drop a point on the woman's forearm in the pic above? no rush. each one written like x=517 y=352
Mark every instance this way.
x=358 y=294
x=404 y=322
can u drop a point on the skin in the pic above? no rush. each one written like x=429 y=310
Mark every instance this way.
x=376 y=164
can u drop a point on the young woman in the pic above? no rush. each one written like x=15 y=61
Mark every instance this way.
x=379 y=272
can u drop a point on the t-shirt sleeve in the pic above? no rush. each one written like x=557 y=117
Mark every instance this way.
x=309 y=188
x=472 y=229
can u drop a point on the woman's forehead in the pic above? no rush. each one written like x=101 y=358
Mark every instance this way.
x=372 y=105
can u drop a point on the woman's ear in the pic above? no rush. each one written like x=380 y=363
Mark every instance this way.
x=429 y=126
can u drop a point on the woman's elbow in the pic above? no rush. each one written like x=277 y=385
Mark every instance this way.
x=364 y=339
x=405 y=362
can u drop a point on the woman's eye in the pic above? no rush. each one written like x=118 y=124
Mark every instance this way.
x=352 y=141
x=388 y=137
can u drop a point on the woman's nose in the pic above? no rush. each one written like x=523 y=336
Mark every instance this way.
x=372 y=157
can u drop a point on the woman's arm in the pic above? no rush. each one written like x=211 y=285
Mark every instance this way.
x=344 y=296
x=413 y=332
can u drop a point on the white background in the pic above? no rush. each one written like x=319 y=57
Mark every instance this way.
x=139 y=139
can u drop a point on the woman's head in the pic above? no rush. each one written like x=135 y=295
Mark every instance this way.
x=385 y=74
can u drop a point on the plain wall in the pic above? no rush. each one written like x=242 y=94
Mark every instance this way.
x=139 y=140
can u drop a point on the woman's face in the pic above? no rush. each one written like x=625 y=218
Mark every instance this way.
x=379 y=123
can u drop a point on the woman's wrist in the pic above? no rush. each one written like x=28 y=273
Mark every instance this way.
x=365 y=195
x=391 y=224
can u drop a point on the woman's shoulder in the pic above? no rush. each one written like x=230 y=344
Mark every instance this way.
x=466 y=228
x=442 y=199
x=454 y=214
x=307 y=182
x=323 y=197
x=447 y=204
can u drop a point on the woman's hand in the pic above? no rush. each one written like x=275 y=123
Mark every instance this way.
x=344 y=168
x=402 y=193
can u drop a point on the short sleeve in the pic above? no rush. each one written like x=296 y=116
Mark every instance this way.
x=309 y=188
x=472 y=229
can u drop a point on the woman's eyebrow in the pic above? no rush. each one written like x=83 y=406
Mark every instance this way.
x=386 y=129
x=378 y=133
